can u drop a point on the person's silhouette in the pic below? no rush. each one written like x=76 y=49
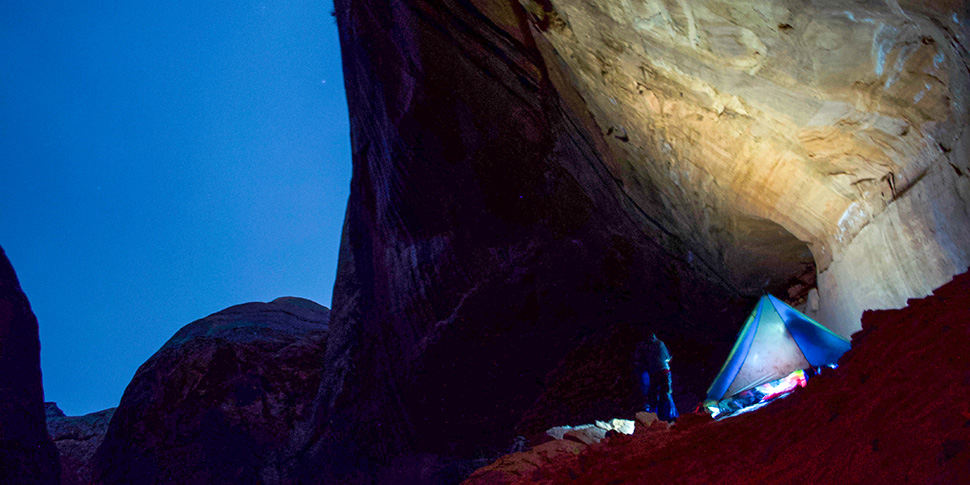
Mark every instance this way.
x=653 y=365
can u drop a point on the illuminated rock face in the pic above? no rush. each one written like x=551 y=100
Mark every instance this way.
x=765 y=129
x=533 y=175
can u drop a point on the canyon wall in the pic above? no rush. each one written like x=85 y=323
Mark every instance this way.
x=485 y=238
x=539 y=184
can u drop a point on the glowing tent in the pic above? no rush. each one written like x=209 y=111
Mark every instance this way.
x=776 y=341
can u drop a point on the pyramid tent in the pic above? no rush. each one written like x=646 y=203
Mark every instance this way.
x=775 y=341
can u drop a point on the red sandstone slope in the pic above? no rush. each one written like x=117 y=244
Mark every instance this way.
x=898 y=409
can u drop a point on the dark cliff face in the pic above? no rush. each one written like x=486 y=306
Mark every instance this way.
x=27 y=454
x=220 y=401
x=485 y=240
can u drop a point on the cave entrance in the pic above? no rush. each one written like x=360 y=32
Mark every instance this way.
x=765 y=257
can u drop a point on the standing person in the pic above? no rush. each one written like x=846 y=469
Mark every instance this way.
x=653 y=364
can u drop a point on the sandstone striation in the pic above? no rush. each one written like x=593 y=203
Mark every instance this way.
x=484 y=239
x=221 y=400
x=771 y=135
x=539 y=184
x=27 y=454
x=76 y=439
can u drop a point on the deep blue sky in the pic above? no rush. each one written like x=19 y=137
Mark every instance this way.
x=160 y=161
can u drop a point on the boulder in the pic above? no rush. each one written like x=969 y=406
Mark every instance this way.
x=586 y=435
x=593 y=433
x=221 y=400
x=647 y=419
x=27 y=454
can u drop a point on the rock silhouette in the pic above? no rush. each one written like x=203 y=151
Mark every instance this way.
x=27 y=454
x=222 y=399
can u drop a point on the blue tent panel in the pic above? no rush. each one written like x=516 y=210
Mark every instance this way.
x=820 y=345
x=736 y=358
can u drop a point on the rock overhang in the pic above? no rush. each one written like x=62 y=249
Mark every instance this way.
x=774 y=138
x=547 y=175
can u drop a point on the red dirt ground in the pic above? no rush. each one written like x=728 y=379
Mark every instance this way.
x=897 y=409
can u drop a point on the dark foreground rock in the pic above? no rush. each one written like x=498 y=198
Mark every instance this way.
x=27 y=454
x=219 y=402
x=77 y=438
x=896 y=410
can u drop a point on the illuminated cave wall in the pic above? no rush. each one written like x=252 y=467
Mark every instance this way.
x=752 y=126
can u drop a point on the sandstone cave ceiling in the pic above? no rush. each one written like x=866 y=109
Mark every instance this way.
x=773 y=135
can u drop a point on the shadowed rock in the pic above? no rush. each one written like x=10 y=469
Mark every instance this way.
x=485 y=239
x=895 y=410
x=219 y=402
x=77 y=438
x=27 y=454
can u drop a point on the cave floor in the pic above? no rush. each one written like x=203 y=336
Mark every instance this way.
x=897 y=409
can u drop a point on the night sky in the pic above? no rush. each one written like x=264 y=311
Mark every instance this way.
x=161 y=161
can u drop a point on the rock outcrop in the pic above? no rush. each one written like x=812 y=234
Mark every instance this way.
x=76 y=439
x=221 y=399
x=27 y=454
x=485 y=237
x=896 y=410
